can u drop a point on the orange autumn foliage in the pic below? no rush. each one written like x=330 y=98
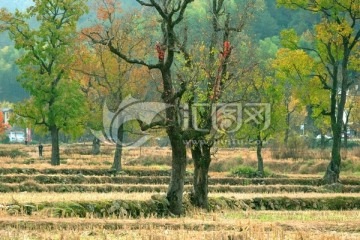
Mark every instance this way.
x=2 y=124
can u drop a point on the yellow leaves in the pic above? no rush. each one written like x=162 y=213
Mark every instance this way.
x=202 y=48
x=292 y=63
x=289 y=38
x=354 y=61
x=295 y=68
x=293 y=4
x=333 y=32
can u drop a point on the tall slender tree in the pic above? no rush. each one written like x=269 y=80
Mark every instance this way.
x=335 y=50
x=56 y=102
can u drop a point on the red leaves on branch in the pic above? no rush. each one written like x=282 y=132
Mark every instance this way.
x=161 y=51
x=227 y=49
x=225 y=54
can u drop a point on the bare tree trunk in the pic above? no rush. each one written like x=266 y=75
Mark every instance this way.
x=175 y=134
x=337 y=111
x=345 y=136
x=287 y=130
x=118 y=150
x=95 y=146
x=55 y=150
x=202 y=158
x=178 y=171
x=333 y=170
x=260 y=159
x=322 y=141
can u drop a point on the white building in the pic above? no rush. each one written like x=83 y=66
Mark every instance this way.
x=7 y=113
x=15 y=134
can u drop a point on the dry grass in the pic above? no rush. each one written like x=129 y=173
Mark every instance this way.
x=302 y=225
x=223 y=160
x=35 y=197
x=229 y=225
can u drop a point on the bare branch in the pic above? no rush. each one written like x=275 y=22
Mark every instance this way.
x=118 y=53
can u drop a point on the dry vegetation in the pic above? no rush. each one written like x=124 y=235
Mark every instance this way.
x=43 y=202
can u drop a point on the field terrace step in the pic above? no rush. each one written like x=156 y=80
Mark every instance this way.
x=32 y=227
x=81 y=179
x=158 y=206
x=105 y=188
x=116 y=224
x=53 y=224
x=84 y=171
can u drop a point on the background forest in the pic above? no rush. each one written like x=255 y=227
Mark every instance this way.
x=265 y=28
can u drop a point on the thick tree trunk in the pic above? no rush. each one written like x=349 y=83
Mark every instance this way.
x=178 y=171
x=333 y=170
x=259 y=157
x=337 y=112
x=202 y=158
x=118 y=150
x=55 y=150
x=95 y=146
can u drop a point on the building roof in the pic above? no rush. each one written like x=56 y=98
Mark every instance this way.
x=6 y=109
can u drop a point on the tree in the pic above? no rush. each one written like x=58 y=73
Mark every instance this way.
x=107 y=79
x=211 y=67
x=171 y=14
x=56 y=102
x=335 y=50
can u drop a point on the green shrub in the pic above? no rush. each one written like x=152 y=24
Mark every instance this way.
x=29 y=161
x=14 y=153
x=63 y=161
x=248 y=172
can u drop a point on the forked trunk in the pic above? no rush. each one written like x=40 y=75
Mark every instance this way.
x=202 y=158
x=55 y=151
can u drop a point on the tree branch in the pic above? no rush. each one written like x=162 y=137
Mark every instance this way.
x=118 y=53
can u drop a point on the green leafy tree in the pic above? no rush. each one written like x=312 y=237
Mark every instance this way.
x=334 y=50
x=56 y=102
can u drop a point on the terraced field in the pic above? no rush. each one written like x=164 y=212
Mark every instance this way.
x=82 y=199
